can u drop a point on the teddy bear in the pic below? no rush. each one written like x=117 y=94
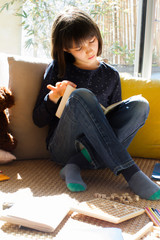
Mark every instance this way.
x=7 y=140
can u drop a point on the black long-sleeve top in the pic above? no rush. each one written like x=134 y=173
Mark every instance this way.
x=104 y=82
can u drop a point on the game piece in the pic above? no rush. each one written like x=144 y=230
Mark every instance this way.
x=124 y=198
x=3 y=177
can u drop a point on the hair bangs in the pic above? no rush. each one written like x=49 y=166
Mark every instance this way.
x=78 y=34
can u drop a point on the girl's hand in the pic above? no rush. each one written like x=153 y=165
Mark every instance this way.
x=59 y=89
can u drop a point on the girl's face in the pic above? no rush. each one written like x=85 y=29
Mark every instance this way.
x=85 y=54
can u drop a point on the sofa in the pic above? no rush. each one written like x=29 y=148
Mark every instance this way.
x=32 y=170
x=24 y=75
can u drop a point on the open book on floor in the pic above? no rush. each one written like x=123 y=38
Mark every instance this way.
x=42 y=214
x=46 y=213
x=84 y=230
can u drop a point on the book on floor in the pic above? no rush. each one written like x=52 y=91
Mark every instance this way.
x=42 y=214
x=83 y=230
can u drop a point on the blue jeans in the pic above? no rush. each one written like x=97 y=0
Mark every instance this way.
x=106 y=137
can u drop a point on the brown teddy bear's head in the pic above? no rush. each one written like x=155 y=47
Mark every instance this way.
x=6 y=99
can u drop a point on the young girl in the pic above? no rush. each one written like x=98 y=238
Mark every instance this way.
x=84 y=137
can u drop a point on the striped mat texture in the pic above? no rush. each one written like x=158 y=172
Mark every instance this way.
x=42 y=178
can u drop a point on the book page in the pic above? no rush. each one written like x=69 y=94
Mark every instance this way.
x=67 y=93
x=43 y=214
x=110 y=107
x=107 y=109
x=82 y=230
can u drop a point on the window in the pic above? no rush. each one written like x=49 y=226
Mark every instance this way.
x=156 y=43
x=130 y=31
x=118 y=25
x=146 y=39
x=117 y=21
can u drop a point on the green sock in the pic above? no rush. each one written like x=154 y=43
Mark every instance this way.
x=71 y=174
x=86 y=154
x=143 y=186
x=155 y=196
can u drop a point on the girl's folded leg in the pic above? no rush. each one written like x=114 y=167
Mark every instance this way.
x=126 y=121
x=139 y=183
x=128 y=117
x=83 y=115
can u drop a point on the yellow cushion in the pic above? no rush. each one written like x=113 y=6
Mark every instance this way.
x=147 y=141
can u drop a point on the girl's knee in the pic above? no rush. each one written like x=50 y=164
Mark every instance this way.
x=141 y=106
x=144 y=105
x=83 y=94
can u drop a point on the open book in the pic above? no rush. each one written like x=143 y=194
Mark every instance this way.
x=84 y=230
x=46 y=213
x=107 y=109
x=67 y=93
x=42 y=214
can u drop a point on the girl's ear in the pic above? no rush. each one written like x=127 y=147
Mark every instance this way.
x=65 y=50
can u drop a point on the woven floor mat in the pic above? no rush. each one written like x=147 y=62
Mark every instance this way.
x=42 y=178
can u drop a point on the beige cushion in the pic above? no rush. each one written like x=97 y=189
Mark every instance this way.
x=25 y=78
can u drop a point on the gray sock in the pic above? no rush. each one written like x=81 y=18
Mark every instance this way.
x=71 y=174
x=143 y=186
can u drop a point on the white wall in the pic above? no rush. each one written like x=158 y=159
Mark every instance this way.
x=10 y=31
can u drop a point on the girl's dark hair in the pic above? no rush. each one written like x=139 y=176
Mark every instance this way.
x=72 y=24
